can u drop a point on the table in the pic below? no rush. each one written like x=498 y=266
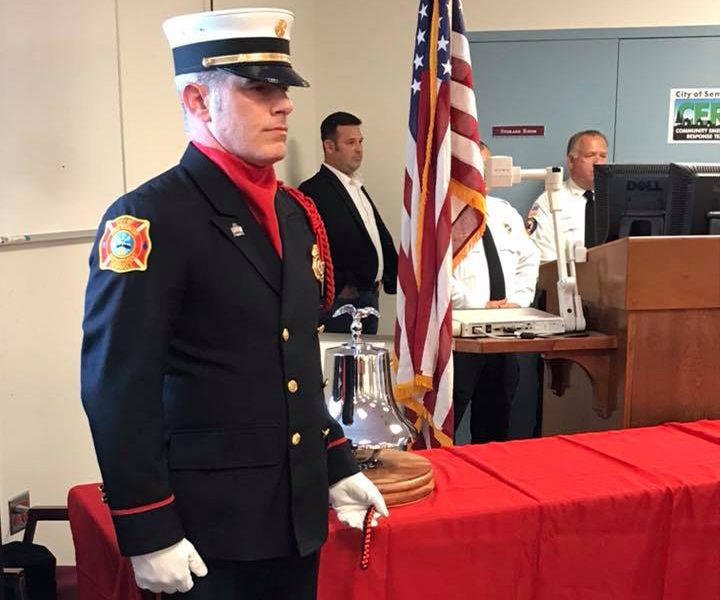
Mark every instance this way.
x=628 y=514
x=591 y=350
x=102 y=574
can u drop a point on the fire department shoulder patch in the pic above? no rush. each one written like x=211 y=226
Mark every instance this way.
x=125 y=245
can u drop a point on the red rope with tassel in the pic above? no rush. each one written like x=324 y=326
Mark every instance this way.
x=366 y=539
x=318 y=229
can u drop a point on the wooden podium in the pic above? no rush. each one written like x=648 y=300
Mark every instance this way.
x=660 y=296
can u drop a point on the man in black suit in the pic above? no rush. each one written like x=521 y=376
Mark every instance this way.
x=361 y=247
x=201 y=371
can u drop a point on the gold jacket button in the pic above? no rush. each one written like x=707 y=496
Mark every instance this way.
x=325 y=382
x=325 y=432
x=321 y=329
x=296 y=437
x=292 y=386
x=285 y=334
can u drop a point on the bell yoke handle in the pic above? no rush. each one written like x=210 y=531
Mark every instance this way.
x=357 y=314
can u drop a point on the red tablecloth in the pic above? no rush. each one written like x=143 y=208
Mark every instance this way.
x=631 y=514
x=102 y=574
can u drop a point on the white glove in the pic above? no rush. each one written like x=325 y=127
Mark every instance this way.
x=168 y=570
x=352 y=496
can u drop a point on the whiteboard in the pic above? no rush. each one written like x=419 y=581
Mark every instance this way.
x=91 y=110
x=61 y=157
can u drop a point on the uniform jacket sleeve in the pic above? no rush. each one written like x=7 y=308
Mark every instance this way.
x=127 y=323
x=341 y=461
x=469 y=282
x=524 y=278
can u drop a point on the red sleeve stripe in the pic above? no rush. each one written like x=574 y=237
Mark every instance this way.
x=337 y=442
x=141 y=509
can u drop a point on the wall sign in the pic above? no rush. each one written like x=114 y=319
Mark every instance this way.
x=694 y=116
x=518 y=130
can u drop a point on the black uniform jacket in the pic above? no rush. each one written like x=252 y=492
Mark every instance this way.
x=201 y=376
x=353 y=253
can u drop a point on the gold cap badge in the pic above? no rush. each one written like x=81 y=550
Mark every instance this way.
x=280 y=28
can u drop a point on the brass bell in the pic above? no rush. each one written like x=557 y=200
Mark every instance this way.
x=360 y=396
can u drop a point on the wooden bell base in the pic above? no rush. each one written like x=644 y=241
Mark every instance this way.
x=402 y=477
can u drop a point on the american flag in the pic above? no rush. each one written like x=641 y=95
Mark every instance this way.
x=443 y=215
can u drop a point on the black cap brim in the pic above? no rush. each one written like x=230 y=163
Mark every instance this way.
x=276 y=73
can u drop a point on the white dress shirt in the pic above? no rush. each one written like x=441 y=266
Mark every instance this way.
x=571 y=219
x=519 y=257
x=353 y=185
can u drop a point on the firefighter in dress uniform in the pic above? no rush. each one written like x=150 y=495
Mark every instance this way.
x=201 y=373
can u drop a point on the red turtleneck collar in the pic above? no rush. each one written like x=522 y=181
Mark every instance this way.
x=258 y=185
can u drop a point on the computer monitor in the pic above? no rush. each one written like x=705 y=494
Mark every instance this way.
x=630 y=200
x=695 y=199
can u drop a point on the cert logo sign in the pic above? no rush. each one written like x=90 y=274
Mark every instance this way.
x=694 y=116
x=125 y=245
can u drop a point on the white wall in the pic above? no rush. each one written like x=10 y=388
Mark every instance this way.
x=62 y=120
x=561 y=14
x=46 y=446
x=357 y=57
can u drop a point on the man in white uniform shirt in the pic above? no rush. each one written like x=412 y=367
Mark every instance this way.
x=499 y=272
x=362 y=250
x=584 y=149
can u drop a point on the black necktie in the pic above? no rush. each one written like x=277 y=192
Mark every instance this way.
x=495 y=272
x=589 y=219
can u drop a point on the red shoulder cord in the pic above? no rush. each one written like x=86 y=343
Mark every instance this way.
x=318 y=229
x=366 y=538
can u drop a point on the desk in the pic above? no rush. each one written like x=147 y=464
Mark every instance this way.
x=592 y=352
x=629 y=514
